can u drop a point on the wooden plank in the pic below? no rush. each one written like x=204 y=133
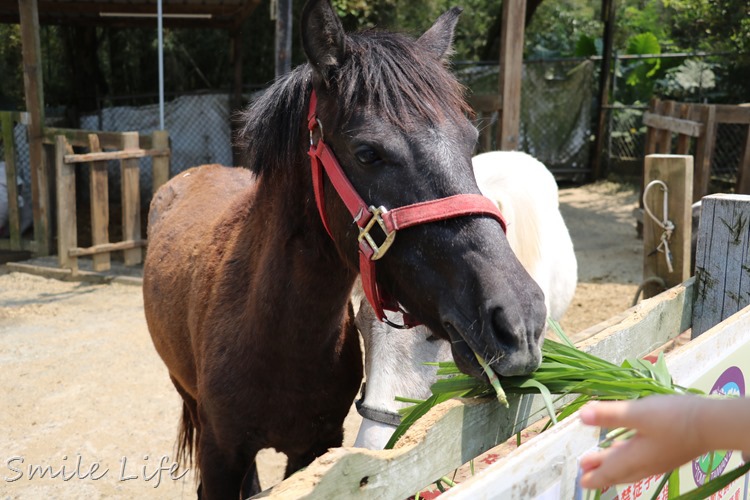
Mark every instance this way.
x=655 y=107
x=743 y=170
x=114 y=155
x=675 y=125
x=511 y=69
x=703 y=150
x=106 y=248
x=549 y=462
x=160 y=164
x=34 y=96
x=99 y=196
x=727 y=113
x=457 y=431
x=107 y=140
x=11 y=174
x=643 y=328
x=722 y=263
x=131 y=200
x=683 y=140
x=677 y=173
x=664 y=137
x=67 y=231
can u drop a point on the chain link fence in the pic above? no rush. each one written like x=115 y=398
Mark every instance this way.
x=557 y=100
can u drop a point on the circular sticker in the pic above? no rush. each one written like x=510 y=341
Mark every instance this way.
x=729 y=383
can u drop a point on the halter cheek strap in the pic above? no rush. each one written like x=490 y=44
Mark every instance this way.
x=367 y=217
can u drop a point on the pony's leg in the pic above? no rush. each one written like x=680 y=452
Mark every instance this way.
x=221 y=477
x=296 y=461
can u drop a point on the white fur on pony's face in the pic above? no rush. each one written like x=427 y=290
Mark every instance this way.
x=527 y=195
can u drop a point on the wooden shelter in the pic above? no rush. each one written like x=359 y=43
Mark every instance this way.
x=219 y=14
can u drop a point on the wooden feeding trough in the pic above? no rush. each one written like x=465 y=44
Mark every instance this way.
x=546 y=466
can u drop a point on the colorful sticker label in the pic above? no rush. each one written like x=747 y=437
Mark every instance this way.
x=730 y=383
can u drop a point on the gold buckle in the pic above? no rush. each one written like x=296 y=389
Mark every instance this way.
x=364 y=233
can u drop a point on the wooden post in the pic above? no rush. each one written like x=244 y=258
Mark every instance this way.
x=683 y=140
x=511 y=70
x=14 y=216
x=704 y=149
x=131 y=199
x=160 y=164
x=722 y=261
x=67 y=230
x=283 y=37
x=605 y=78
x=676 y=171
x=99 y=194
x=33 y=89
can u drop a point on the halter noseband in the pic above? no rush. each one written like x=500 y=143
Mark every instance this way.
x=367 y=217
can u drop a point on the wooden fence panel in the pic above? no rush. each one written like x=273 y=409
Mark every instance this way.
x=67 y=230
x=722 y=263
x=131 y=200
x=99 y=195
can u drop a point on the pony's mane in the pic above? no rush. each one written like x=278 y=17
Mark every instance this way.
x=387 y=72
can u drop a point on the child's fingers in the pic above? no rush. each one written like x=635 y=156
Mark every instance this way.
x=610 y=414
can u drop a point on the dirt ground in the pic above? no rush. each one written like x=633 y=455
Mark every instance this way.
x=85 y=395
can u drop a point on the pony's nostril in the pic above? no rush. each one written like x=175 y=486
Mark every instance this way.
x=505 y=333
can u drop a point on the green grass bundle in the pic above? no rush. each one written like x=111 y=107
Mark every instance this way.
x=565 y=370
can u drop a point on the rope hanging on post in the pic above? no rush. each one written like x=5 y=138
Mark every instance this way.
x=666 y=225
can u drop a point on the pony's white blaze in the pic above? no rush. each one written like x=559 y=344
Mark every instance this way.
x=526 y=193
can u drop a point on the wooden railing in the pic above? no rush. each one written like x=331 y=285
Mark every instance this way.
x=696 y=122
x=130 y=147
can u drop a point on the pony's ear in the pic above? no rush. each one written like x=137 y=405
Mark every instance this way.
x=323 y=37
x=438 y=40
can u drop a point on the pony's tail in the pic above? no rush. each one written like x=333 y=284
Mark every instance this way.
x=186 y=440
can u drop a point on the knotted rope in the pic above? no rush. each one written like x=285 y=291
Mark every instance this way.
x=666 y=225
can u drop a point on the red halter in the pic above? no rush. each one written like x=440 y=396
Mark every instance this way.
x=389 y=221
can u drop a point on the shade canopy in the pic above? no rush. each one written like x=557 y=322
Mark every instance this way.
x=222 y=14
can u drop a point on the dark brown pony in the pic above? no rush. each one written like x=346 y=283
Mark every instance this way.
x=246 y=294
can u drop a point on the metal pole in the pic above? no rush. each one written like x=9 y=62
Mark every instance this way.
x=161 y=65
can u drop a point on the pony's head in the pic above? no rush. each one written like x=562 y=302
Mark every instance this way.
x=395 y=118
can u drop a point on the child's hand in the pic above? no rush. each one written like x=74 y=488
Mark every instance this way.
x=665 y=439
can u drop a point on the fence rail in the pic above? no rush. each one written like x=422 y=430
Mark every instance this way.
x=127 y=154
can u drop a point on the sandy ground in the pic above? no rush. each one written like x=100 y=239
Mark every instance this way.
x=85 y=395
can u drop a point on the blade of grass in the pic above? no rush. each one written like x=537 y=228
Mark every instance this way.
x=494 y=381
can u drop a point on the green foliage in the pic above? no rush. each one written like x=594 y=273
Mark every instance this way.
x=11 y=77
x=641 y=73
x=558 y=26
x=587 y=46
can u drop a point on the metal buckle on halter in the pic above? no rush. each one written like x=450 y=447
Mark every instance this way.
x=364 y=233
x=320 y=127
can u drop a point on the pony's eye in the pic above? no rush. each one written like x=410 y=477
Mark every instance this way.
x=367 y=155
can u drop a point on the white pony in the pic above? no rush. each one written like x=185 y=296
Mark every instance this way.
x=526 y=194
